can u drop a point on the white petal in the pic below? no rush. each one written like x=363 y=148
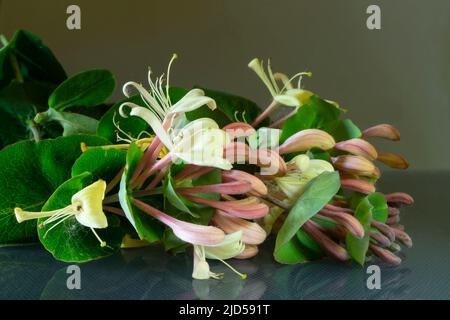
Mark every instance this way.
x=230 y=247
x=152 y=120
x=287 y=100
x=90 y=202
x=190 y=103
x=146 y=96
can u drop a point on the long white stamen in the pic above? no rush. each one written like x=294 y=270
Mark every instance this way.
x=174 y=56
x=68 y=215
x=102 y=243
x=242 y=275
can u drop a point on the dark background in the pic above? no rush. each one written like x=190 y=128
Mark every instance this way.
x=399 y=74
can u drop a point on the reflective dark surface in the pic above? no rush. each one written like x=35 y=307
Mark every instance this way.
x=31 y=273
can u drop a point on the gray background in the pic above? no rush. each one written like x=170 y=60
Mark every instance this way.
x=399 y=74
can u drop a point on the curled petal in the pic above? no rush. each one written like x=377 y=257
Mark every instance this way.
x=270 y=162
x=358 y=147
x=399 y=197
x=194 y=99
x=385 y=131
x=307 y=139
x=146 y=96
x=354 y=165
x=385 y=255
x=393 y=160
x=252 y=233
x=357 y=185
x=249 y=252
x=189 y=232
x=258 y=187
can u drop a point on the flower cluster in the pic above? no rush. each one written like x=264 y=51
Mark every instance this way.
x=204 y=181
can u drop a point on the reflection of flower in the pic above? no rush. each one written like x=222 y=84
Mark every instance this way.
x=230 y=247
x=86 y=207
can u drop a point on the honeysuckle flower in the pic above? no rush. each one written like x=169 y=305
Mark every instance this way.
x=393 y=160
x=307 y=139
x=258 y=187
x=385 y=255
x=230 y=247
x=384 y=228
x=354 y=165
x=399 y=198
x=85 y=206
x=385 y=131
x=252 y=233
x=160 y=114
x=239 y=129
x=357 y=185
x=345 y=219
x=186 y=231
x=330 y=247
x=286 y=95
x=270 y=162
x=295 y=181
x=358 y=147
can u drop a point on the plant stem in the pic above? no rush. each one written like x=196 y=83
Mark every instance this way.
x=32 y=126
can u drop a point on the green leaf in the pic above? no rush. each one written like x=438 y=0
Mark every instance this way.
x=318 y=192
x=72 y=123
x=309 y=243
x=315 y=114
x=380 y=208
x=343 y=130
x=30 y=173
x=102 y=163
x=88 y=88
x=70 y=241
x=146 y=226
x=172 y=196
x=36 y=59
x=291 y=253
x=357 y=248
x=230 y=108
x=131 y=126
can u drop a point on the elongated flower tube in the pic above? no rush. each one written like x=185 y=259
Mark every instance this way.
x=189 y=232
x=248 y=208
x=258 y=187
x=354 y=165
x=357 y=185
x=348 y=221
x=403 y=237
x=249 y=252
x=230 y=247
x=252 y=233
x=86 y=207
x=235 y=187
x=380 y=238
x=385 y=131
x=358 y=147
x=307 y=139
x=329 y=246
x=385 y=255
x=385 y=229
x=393 y=160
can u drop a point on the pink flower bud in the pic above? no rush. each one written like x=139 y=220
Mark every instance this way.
x=393 y=160
x=358 y=147
x=385 y=131
x=307 y=139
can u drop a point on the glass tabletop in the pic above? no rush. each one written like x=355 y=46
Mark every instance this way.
x=29 y=272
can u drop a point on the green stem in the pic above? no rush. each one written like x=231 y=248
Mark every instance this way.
x=3 y=40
